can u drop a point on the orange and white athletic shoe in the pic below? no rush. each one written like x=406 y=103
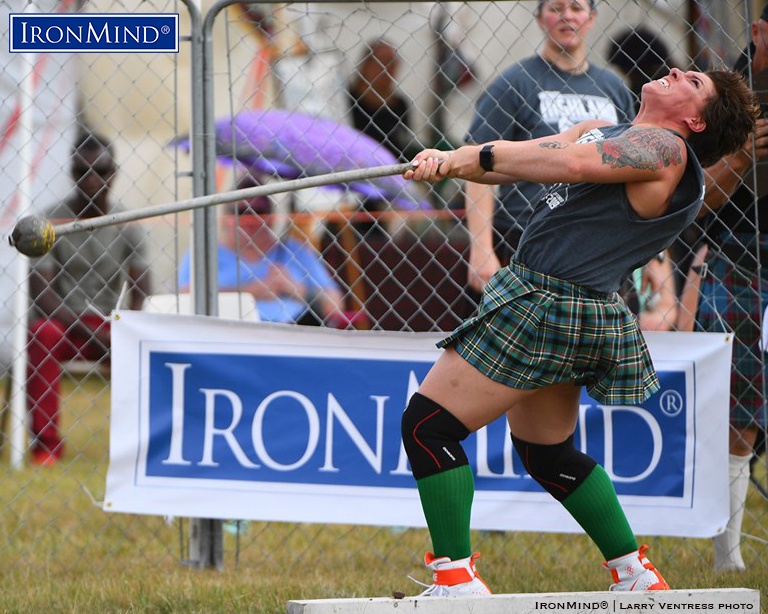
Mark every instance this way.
x=454 y=578
x=634 y=572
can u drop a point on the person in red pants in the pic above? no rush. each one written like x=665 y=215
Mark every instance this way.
x=75 y=286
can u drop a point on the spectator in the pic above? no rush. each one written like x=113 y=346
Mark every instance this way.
x=286 y=277
x=641 y=56
x=75 y=286
x=540 y=96
x=378 y=108
x=735 y=294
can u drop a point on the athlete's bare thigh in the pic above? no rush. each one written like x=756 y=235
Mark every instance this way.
x=545 y=415
x=469 y=395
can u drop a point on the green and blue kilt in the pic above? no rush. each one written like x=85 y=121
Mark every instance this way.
x=733 y=301
x=533 y=330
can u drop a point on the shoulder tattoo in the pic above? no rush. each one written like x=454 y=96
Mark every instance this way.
x=642 y=148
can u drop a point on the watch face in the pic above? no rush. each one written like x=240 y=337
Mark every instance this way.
x=486 y=158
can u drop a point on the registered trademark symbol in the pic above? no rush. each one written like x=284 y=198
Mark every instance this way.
x=671 y=402
x=165 y=29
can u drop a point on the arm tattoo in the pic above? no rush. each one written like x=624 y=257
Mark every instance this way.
x=554 y=145
x=643 y=148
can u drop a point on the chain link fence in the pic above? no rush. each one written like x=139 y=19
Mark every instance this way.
x=396 y=257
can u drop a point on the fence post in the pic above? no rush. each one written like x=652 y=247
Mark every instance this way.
x=206 y=540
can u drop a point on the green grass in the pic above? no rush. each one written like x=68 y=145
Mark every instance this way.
x=61 y=553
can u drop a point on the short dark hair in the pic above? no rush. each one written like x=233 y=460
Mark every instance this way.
x=91 y=141
x=371 y=48
x=540 y=3
x=260 y=205
x=246 y=180
x=730 y=118
x=638 y=48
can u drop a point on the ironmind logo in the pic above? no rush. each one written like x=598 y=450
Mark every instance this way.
x=94 y=33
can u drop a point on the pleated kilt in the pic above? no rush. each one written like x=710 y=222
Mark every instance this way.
x=533 y=330
x=733 y=301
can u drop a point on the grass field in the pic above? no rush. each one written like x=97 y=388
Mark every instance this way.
x=61 y=553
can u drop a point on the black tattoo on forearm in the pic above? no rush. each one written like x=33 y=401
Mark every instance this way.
x=554 y=145
x=642 y=148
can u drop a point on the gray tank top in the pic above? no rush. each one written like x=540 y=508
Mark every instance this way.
x=588 y=233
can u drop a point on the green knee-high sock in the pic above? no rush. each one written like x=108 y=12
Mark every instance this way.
x=446 y=499
x=595 y=506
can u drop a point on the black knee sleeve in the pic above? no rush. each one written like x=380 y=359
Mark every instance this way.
x=559 y=468
x=431 y=436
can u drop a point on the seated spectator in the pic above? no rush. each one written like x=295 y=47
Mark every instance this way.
x=75 y=286
x=287 y=278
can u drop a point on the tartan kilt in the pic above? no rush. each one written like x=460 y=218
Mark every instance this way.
x=533 y=330
x=732 y=301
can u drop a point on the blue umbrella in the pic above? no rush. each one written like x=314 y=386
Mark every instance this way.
x=289 y=144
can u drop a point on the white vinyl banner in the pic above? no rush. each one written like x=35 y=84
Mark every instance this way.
x=216 y=418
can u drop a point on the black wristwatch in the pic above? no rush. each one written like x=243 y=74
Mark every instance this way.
x=486 y=158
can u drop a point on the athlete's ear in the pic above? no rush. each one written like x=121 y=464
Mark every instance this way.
x=696 y=124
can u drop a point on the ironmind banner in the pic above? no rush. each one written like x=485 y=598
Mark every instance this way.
x=218 y=418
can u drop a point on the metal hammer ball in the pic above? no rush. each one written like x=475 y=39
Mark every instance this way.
x=33 y=236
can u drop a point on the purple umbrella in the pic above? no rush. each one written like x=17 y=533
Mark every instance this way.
x=290 y=144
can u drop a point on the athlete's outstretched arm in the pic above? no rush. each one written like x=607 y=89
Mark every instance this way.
x=641 y=154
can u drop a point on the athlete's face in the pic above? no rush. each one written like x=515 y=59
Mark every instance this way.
x=566 y=22
x=682 y=94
